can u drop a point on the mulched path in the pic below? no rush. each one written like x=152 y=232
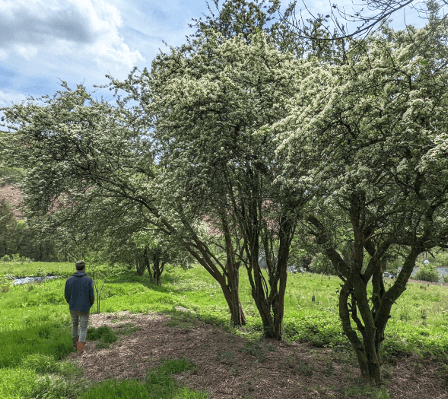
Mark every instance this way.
x=231 y=367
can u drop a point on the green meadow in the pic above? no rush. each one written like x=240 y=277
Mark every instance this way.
x=35 y=325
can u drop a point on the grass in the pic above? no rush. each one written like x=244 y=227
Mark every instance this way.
x=36 y=333
x=158 y=383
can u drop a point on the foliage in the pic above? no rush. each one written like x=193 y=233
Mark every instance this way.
x=220 y=157
x=367 y=138
x=245 y=18
x=18 y=240
x=321 y=264
x=101 y=156
x=427 y=273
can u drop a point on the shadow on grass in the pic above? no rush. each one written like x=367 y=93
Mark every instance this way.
x=42 y=339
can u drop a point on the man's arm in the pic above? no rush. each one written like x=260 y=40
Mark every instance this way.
x=67 y=292
x=91 y=294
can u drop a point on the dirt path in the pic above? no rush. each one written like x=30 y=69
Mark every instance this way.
x=230 y=367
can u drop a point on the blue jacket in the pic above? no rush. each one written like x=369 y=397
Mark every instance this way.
x=79 y=292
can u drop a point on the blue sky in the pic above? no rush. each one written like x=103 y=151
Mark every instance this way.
x=80 y=41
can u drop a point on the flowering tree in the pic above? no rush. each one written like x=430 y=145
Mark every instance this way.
x=78 y=152
x=246 y=17
x=210 y=102
x=368 y=139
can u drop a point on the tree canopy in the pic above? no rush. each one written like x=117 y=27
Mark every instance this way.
x=368 y=138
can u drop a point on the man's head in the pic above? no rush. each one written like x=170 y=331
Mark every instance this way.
x=80 y=265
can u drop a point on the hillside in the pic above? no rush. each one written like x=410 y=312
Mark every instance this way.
x=13 y=196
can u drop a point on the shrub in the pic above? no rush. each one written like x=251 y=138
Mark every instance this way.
x=445 y=278
x=321 y=264
x=5 y=258
x=428 y=273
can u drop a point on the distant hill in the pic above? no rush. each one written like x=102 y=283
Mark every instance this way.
x=13 y=196
x=9 y=178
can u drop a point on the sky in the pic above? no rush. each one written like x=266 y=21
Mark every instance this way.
x=80 y=41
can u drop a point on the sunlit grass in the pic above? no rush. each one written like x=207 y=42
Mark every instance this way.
x=36 y=333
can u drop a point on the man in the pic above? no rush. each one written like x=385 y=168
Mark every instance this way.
x=80 y=296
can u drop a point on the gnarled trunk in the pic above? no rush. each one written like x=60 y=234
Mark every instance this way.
x=143 y=263
x=226 y=275
x=366 y=349
x=228 y=280
x=269 y=296
x=231 y=293
x=371 y=321
x=157 y=267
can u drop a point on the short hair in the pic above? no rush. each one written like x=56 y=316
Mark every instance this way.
x=80 y=265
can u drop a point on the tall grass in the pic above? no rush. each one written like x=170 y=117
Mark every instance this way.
x=36 y=333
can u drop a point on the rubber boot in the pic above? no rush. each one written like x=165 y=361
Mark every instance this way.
x=75 y=340
x=80 y=346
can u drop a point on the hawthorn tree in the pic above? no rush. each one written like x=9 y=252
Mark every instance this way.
x=368 y=139
x=210 y=101
x=155 y=251
x=77 y=151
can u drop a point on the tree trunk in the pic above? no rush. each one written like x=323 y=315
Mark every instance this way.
x=233 y=302
x=206 y=258
x=270 y=297
x=232 y=274
x=358 y=312
x=227 y=281
x=143 y=263
x=140 y=269
x=373 y=320
x=229 y=286
x=365 y=349
x=270 y=304
x=264 y=305
x=157 y=269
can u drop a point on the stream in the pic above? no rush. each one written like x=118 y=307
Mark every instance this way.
x=19 y=281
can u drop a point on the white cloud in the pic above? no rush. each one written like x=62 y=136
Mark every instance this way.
x=72 y=33
x=38 y=23
x=26 y=52
x=7 y=98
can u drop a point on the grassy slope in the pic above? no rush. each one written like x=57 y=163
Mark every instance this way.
x=35 y=322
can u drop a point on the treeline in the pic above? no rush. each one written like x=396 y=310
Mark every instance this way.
x=17 y=238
